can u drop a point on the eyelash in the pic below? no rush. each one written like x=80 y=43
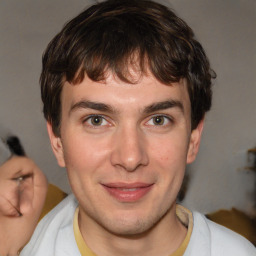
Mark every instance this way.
x=89 y=118
x=103 y=119
x=166 y=119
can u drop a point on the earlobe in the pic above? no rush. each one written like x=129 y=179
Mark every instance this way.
x=56 y=145
x=194 y=143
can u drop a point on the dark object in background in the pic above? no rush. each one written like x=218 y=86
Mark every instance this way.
x=237 y=221
x=15 y=146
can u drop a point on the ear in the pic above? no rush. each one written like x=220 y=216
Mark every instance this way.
x=194 y=143
x=56 y=146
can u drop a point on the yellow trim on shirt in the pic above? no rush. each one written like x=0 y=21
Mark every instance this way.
x=83 y=248
x=186 y=218
x=184 y=215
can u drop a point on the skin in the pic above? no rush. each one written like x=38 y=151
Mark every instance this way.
x=116 y=135
x=21 y=202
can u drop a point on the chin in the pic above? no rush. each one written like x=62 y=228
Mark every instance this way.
x=129 y=230
x=130 y=226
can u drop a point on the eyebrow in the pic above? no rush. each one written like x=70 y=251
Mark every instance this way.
x=108 y=109
x=92 y=105
x=164 y=105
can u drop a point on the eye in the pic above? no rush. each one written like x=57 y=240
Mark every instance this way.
x=96 y=120
x=159 y=120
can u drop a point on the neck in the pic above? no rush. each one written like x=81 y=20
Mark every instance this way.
x=163 y=238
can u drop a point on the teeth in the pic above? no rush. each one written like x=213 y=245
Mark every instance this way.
x=128 y=189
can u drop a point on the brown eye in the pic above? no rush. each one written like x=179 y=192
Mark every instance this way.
x=96 y=120
x=162 y=121
x=158 y=120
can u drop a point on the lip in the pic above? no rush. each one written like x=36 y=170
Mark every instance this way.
x=128 y=192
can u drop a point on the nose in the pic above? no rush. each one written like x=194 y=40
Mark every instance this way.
x=129 y=149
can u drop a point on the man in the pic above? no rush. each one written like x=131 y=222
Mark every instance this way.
x=125 y=87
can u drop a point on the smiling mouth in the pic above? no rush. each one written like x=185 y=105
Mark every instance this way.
x=123 y=192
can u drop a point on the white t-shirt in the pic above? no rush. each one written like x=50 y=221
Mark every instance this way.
x=54 y=236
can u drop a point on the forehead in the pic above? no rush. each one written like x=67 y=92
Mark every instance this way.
x=114 y=92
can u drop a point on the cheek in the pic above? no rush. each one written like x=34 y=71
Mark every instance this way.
x=170 y=158
x=84 y=154
x=170 y=152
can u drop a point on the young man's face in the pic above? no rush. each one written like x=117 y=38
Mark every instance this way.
x=125 y=147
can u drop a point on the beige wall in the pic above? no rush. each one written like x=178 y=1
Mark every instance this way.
x=227 y=31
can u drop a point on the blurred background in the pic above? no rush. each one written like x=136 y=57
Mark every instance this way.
x=221 y=177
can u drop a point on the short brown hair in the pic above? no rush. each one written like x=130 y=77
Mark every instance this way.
x=106 y=37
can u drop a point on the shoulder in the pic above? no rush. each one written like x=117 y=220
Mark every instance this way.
x=225 y=240
x=60 y=216
x=53 y=231
x=221 y=240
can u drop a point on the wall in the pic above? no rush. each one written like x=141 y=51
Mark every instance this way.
x=227 y=31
